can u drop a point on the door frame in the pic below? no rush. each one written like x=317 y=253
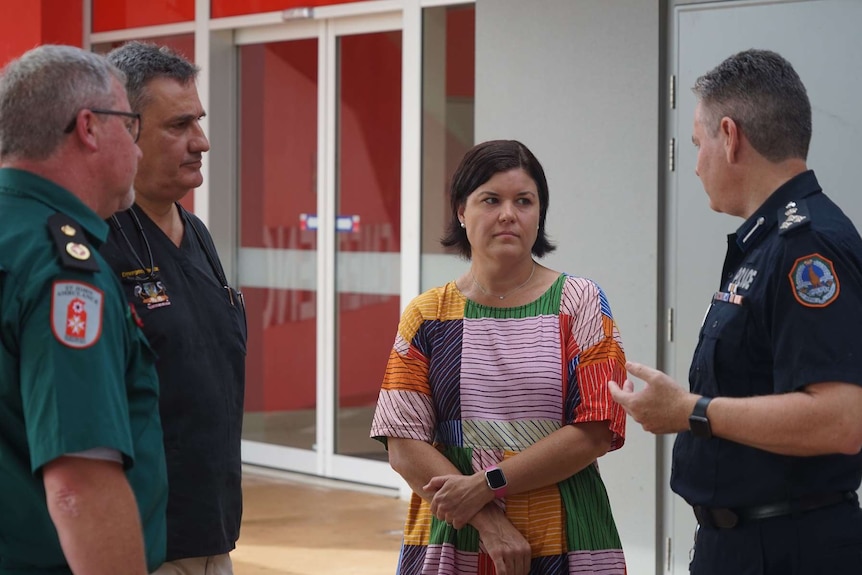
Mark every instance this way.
x=323 y=460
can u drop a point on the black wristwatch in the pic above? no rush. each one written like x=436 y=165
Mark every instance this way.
x=698 y=422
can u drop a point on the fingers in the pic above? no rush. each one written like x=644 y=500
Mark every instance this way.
x=642 y=371
x=435 y=484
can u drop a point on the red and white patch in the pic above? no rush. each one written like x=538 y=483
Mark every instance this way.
x=76 y=313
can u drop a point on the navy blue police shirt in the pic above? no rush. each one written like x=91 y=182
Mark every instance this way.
x=788 y=314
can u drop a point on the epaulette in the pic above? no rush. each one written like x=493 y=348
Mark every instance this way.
x=72 y=247
x=792 y=216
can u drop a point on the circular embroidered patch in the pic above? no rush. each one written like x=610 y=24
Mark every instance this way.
x=814 y=281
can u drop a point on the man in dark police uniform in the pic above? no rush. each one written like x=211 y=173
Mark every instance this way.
x=768 y=451
x=83 y=485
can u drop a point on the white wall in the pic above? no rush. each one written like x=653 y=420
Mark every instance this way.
x=578 y=83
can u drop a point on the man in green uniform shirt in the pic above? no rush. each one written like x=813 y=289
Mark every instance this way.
x=82 y=474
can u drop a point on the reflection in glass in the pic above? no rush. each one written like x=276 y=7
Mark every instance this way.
x=368 y=253
x=448 y=82
x=277 y=259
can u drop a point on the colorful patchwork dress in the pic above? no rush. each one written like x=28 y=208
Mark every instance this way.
x=483 y=383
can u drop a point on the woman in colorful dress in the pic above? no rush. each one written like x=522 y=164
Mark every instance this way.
x=494 y=405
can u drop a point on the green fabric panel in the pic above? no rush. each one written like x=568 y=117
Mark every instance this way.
x=467 y=538
x=589 y=523
x=547 y=304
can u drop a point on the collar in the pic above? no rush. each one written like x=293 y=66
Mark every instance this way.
x=30 y=185
x=796 y=188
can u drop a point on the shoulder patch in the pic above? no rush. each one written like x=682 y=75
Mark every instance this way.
x=76 y=313
x=72 y=247
x=813 y=281
x=793 y=215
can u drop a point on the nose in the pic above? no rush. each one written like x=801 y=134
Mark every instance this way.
x=507 y=211
x=199 y=142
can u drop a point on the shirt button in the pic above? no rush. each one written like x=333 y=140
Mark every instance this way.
x=715 y=323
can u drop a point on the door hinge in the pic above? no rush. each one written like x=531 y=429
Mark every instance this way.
x=670 y=324
x=671 y=155
x=672 y=92
x=668 y=554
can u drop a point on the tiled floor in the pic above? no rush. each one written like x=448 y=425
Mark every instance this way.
x=297 y=525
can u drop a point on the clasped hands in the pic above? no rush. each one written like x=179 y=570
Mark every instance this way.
x=462 y=499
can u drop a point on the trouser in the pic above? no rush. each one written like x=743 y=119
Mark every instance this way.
x=819 y=542
x=213 y=565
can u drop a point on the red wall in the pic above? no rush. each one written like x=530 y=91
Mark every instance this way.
x=38 y=22
x=121 y=14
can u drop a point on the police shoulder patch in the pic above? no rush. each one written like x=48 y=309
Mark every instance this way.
x=76 y=313
x=814 y=281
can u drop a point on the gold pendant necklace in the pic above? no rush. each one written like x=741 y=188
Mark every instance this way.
x=508 y=293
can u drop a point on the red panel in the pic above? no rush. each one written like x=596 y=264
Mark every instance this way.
x=38 y=22
x=461 y=52
x=63 y=22
x=223 y=8
x=122 y=14
x=279 y=144
x=370 y=140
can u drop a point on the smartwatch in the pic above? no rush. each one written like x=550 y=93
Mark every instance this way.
x=698 y=422
x=496 y=481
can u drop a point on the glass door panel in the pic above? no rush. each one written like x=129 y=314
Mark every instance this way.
x=278 y=239
x=368 y=224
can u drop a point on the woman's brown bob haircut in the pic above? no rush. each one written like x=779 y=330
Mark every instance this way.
x=478 y=166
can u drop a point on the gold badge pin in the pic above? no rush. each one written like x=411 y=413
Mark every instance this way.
x=78 y=251
x=68 y=230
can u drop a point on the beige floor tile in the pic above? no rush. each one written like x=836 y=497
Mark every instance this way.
x=295 y=525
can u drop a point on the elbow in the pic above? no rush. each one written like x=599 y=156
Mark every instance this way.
x=851 y=444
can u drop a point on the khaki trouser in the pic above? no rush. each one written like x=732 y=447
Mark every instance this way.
x=214 y=565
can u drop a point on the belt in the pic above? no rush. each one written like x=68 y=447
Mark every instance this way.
x=726 y=518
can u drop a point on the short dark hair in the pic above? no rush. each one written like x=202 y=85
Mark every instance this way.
x=763 y=94
x=143 y=62
x=479 y=165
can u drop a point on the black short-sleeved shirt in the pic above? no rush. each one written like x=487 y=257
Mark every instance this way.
x=788 y=313
x=197 y=328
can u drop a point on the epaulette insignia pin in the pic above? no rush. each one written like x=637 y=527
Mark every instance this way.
x=68 y=230
x=78 y=251
x=795 y=214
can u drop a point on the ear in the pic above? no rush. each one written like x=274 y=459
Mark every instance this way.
x=87 y=129
x=731 y=136
x=461 y=213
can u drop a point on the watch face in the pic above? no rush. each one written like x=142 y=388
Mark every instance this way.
x=496 y=479
x=699 y=426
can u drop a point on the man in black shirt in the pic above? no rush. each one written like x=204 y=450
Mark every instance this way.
x=194 y=321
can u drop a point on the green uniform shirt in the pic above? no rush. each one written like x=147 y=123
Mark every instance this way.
x=76 y=373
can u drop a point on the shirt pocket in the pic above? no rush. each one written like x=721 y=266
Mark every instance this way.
x=722 y=363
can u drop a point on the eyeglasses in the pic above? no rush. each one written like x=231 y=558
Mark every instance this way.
x=133 y=121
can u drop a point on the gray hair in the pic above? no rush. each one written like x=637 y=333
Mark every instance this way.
x=764 y=95
x=42 y=91
x=144 y=61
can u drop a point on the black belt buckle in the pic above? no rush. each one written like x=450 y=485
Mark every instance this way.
x=716 y=517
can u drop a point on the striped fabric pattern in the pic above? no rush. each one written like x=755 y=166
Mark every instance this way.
x=485 y=383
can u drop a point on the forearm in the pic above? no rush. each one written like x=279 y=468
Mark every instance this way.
x=821 y=419
x=557 y=456
x=96 y=516
x=417 y=462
